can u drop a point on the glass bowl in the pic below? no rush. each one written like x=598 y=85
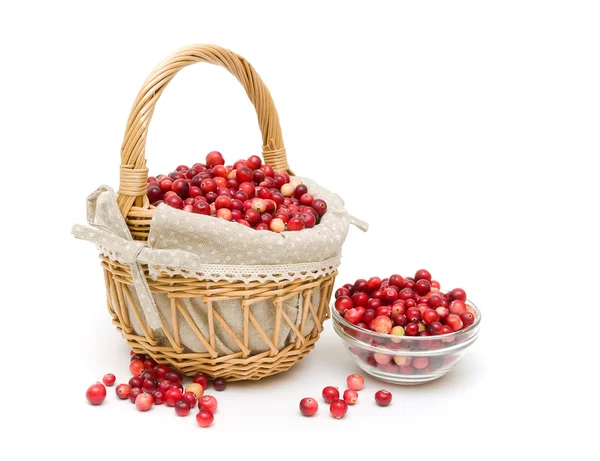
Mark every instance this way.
x=405 y=359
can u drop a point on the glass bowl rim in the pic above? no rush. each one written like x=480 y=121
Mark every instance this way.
x=343 y=321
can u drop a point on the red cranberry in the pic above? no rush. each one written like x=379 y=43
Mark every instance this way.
x=243 y=174
x=397 y=280
x=214 y=158
x=258 y=176
x=96 y=394
x=454 y=322
x=208 y=402
x=295 y=224
x=436 y=328
x=447 y=329
x=360 y=285
x=136 y=381
x=352 y=316
x=368 y=316
x=330 y=393
x=135 y=391
x=356 y=382
x=219 y=384
x=159 y=397
x=383 y=310
x=308 y=219
x=252 y=216
x=467 y=318
x=109 y=379
x=398 y=308
x=174 y=201
x=458 y=293
x=342 y=292
x=149 y=385
x=308 y=406
x=202 y=379
x=319 y=206
x=254 y=162
x=413 y=314
x=383 y=398
x=409 y=283
x=173 y=376
x=423 y=274
x=422 y=287
x=360 y=299
x=338 y=408
x=123 y=391
x=411 y=329
x=410 y=303
x=208 y=185
x=182 y=408
x=400 y=320
x=350 y=396
x=457 y=307
x=204 y=418
x=430 y=316
x=420 y=362
x=164 y=386
x=406 y=294
x=373 y=303
x=377 y=294
x=136 y=367
x=173 y=396
x=307 y=199
x=223 y=202
x=443 y=312
x=144 y=402
x=434 y=301
x=343 y=303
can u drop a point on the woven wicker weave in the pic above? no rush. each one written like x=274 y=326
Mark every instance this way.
x=134 y=206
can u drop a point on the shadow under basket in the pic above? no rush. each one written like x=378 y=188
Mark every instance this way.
x=238 y=365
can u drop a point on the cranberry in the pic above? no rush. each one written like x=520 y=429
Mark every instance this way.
x=204 y=418
x=397 y=280
x=436 y=328
x=196 y=389
x=467 y=318
x=368 y=316
x=356 y=382
x=410 y=303
x=457 y=307
x=295 y=224
x=429 y=316
x=208 y=402
x=352 y=316
x=96 y=393
x=411 y=329
x=224 y=213
x=214 y=158
x=109 y=379
x=383 y=310
x=202 y=379
x=136 y=381
x=308 y=406
x=383 y=398
x=413 y=314
x=338 y=408
x=182 y=408
x=219 y=384
x=382 y=324
x=123 y=391
x=135 y=391
x=319 y=206
x=360 y=285
x=182 y=168
x=398 y=308
x=343 y=303
x=422 y=287
x=277 y=225
x=136 y=366
x=254 y=162
x=434 y=301
x=360 y=299
x=454 y=322
x=149 y=385
x=173 y=396
x=458 y=293
x=342 y=292
x=390 y=295
x=174 y=201
x=306 y=199
x=443 y=312
x=400 y=320
x=243 y=174
x=350 y=396
x=330 y=393
x=406 y=294
x=422 y=274
x=144 y=402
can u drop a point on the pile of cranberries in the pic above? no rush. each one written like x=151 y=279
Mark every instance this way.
x=338 y=407
x=411 y=306
x=247 y=192
x=154 y=384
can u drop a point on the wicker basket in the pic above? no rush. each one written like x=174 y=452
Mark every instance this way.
x=134 y=206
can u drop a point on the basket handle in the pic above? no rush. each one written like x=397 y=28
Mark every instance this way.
x=134 y=174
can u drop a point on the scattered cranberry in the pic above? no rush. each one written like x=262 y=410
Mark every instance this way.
x=182 y=408
x=204 y=418
x=208 y=402
x=219 y=384
x=123 y=391
x=383 y=398
x=338 y=408
x=330 y=393
x=350 y=396
x=144 y=402
x=96 y=393
x=190 y=398
x=356 y=382
x=136 y=367
x=173 y=396
x=109 y=379
x=308 y=406
x=196 y=389
x=202 y=379
x=159 y=397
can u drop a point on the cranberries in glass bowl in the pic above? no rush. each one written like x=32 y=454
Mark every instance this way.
x=403 y=356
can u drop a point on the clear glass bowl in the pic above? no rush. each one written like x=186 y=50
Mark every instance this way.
x=405 y=359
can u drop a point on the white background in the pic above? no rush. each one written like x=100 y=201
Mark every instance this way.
x=466 y=133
